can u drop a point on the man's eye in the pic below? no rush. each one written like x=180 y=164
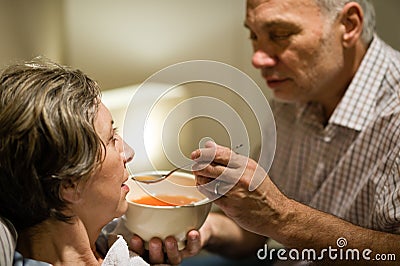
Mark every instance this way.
x=253 y=36
x=280 y=35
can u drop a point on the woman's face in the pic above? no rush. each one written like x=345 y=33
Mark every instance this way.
x=102 y=198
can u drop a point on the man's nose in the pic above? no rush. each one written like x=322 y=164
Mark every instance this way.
x=262 y=59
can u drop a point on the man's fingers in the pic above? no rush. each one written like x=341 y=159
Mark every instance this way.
x=216 y=154
x=208 y=170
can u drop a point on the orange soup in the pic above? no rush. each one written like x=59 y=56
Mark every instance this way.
x=144 y=178
x=165 y=200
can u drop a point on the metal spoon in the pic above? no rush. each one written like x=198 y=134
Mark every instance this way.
x=154 y=178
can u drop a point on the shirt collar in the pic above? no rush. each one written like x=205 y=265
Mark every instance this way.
x=357 y=106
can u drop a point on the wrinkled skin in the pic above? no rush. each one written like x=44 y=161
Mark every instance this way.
x=252 y=210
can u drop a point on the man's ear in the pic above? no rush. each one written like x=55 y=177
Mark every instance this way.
x=352 y=19
x=69 y=191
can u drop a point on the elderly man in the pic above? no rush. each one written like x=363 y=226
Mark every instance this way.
x=335 y=174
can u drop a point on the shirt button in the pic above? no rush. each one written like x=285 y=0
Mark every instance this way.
x=327 y=139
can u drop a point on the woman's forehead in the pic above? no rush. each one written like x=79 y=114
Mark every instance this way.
x=103 y=122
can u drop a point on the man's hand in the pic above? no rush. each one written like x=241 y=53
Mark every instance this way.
x=266 y=211
x=231 y=175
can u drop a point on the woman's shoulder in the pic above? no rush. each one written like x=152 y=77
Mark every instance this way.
x=21 y=261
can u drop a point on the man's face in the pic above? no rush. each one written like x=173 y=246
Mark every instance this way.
x=296 y=47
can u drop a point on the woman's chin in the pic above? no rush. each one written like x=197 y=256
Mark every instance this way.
x=124 y=207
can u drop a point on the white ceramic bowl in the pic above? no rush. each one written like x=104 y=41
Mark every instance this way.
x=161 y=221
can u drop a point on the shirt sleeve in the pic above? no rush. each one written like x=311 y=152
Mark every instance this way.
x=388 y=208
x=8 y=237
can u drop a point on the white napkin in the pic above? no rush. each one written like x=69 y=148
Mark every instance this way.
x=120 y=255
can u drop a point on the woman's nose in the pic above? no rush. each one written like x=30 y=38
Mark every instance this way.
x=128 y=153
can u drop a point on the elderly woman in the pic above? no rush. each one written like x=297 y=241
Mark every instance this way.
x=62 y=164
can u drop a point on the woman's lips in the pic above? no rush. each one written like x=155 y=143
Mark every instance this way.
x=125 y=187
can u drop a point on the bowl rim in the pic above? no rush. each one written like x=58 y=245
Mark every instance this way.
x=190 y=205
x=203 y=201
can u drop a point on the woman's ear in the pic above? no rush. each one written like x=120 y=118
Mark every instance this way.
x=353 y=21
x=70 y=191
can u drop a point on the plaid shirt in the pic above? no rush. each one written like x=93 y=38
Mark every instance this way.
x=350 y=167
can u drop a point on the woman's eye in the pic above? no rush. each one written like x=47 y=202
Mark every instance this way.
x=115 y=135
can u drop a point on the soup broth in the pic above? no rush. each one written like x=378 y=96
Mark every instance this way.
x=165 y=200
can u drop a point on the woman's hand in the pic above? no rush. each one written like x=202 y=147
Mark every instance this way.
x=168 y=252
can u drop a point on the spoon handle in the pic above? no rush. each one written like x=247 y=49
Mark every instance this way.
x=163 y=177
x=191 y=163
x=178 y=168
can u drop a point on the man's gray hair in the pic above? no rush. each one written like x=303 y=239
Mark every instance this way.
x=333 y=7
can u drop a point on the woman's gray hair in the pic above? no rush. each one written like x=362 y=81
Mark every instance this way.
x=47 y=138
x=333 y=7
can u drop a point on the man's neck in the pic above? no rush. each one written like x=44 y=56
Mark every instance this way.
x=353 y=58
